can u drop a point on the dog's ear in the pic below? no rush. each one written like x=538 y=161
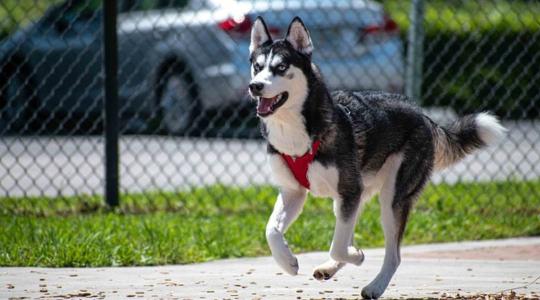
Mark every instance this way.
x=259 y=35
x=299 y=37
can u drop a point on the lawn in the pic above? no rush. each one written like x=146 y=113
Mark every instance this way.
x=220 y=222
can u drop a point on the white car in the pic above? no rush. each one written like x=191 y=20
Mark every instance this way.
x=179 y=58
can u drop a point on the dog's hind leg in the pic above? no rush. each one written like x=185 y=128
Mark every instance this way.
x=392 y=221
x=288 y=206
x=402 y=185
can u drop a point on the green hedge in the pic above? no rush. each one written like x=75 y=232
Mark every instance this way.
x=479 y=55
x=470 y=16
x=497 y=71
x=18 y=13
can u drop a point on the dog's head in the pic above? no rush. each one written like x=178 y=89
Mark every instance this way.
x=278 y=68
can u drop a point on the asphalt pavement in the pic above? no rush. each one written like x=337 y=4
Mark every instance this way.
x=54 y=166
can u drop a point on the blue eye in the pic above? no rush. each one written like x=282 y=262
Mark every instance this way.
x=282 y=67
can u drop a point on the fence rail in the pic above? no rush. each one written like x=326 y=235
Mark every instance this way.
x=130 y=96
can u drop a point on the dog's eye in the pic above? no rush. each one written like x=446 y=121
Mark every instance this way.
x=282 y=67
x=257 y=67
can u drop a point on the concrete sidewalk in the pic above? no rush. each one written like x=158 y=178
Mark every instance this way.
x=467 y=269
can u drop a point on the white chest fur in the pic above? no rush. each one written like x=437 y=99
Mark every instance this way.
x=287 y=133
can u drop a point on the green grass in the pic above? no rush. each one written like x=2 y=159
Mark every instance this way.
x=220 y=222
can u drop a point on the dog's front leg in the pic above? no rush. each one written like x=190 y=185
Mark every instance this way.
x=329 y=268
x=341 y=250
x=287 y=208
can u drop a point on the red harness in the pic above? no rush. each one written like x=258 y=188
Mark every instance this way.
x=299 y=165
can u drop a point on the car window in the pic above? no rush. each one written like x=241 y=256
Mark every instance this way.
x=142 y=5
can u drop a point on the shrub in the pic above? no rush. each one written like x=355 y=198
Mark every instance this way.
x=479 y=55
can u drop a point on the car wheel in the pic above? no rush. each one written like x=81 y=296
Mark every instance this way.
x=15 y=104
x=177 y=103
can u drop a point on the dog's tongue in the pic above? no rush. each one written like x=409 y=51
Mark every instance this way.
x=265 y=105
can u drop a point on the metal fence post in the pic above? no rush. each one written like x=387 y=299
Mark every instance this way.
x=110 y=61
x=415 y=51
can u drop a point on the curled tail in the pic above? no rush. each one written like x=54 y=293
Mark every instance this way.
x=454 y=142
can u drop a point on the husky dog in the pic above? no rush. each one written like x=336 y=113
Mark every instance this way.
x=347 y=146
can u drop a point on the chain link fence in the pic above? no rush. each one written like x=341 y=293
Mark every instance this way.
x=184 y=117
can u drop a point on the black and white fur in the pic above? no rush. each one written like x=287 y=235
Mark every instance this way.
x=371 y=142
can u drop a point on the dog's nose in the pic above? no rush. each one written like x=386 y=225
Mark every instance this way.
x=256 y=87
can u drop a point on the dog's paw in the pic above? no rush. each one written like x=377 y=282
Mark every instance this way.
x=322 y=274
x=281 y=252
x=327 y=270
x=374 y=290
x=289 y=263
x=291 y=267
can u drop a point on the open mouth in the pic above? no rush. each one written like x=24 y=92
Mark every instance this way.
x=267 y=106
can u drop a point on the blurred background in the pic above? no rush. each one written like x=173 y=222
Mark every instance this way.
x=188 y=134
